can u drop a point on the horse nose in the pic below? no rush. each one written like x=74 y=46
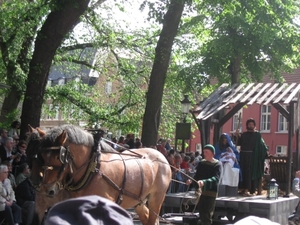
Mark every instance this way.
x=51 y=193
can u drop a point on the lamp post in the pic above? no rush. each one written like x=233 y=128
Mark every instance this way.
x=185 y=108
x=272 y=192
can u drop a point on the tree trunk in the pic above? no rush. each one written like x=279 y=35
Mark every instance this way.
x=235 y=70
x=12 y=99
x=163 y=49
x=234 y=67
x=10 y=103
x=49 y=38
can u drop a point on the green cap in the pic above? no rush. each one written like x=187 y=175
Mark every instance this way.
x=210 y=147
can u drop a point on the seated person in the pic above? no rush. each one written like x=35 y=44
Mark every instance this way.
x=10 y=176
x=6 y=151
x=21 y=152
x=13 y=214
x=24 y=172
x=25 y=195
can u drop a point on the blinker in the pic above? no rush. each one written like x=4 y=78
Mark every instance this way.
x=63 y=155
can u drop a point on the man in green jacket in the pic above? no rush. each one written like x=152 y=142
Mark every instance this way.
x=208 y=175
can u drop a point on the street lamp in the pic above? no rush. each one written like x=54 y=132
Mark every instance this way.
x=185 y=107
x=183 y=129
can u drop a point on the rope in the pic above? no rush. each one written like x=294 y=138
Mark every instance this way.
x=193 y=201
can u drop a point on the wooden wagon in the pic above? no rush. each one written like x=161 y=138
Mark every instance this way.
x=211 y=113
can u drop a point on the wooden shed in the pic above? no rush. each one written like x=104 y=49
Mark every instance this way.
x=210 y=112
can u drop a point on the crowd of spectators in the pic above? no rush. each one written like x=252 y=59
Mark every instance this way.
x=182 y=164
x=17 y=194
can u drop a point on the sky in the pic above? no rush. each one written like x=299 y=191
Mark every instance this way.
x=130 y=18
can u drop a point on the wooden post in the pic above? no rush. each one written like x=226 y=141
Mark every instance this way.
x=290 y=150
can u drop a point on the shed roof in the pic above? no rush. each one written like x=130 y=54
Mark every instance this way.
x=260 y=93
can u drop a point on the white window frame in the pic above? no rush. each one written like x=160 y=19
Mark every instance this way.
x=108 y=87
x=48 y=117
x=281 y=150
x=77 y=80
x=49 y=83
x=265 y=118
x=235 y=119
x=199 y=148
x=282 y=122
x=61 y=81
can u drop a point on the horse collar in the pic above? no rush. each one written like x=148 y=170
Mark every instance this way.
x=93 y=168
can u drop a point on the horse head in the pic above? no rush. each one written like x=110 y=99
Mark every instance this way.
x=34 y=159
x=67 y=155
x=56 y=156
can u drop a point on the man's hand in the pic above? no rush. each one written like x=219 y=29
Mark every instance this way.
x=237 y=132
x=9 y=203
x=188 y=182
x=200 y=183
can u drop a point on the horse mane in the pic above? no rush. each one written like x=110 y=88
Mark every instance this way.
x=76 y=135
x=33 y=142
x=106 y=148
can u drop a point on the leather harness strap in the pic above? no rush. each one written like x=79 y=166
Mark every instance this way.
x=142 y=176
x=94 y=168
x=116 y=187
x=120 y=198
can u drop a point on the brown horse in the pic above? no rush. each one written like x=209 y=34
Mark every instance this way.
x=71 y=164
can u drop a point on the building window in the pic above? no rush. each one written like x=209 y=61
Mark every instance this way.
x=108 y=87
x=54 y=113
x=237 y=120
x=61 y=81
x=199 y=148
x=281 y=150
x=265 y=118
x=282 y=122
x=49 y=83
x=77 y=85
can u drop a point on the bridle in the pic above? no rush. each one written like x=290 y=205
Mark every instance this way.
x=65 y=157
x=67 y=160
x=92 y=166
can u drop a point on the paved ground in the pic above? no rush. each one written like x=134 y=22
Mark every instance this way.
x=178 y=221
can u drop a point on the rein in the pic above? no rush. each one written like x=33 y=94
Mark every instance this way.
x=67 y=159
x=93 y=167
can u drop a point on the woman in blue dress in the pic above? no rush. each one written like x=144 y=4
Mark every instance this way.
x=225 y=142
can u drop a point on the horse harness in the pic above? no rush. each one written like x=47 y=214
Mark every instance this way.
x=93 y=164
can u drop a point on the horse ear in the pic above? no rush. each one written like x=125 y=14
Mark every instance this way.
x=41 y=132
x=30 y=128
x=62 y=138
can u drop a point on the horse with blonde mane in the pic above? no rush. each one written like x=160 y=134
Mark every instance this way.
x=67 y=163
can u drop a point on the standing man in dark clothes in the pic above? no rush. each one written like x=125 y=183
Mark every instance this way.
x=252 y=157
x=208 y=175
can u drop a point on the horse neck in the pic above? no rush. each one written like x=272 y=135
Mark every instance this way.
x=82 y=156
